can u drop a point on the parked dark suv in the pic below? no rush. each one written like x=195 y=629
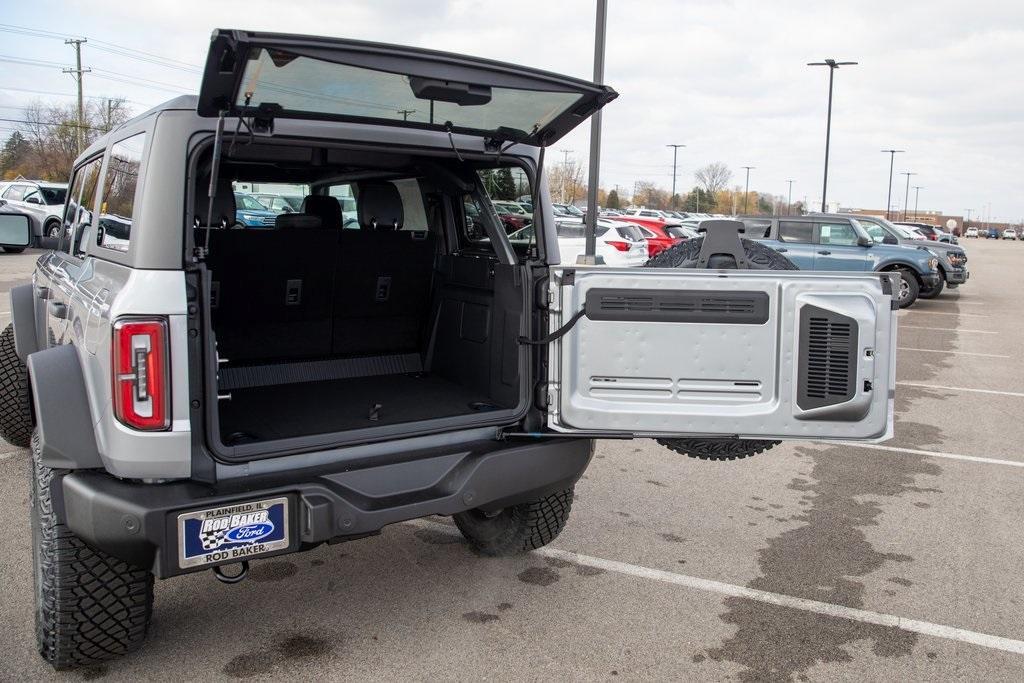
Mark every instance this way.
x=200 y=393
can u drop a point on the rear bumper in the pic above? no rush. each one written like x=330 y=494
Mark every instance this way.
x=139 y=522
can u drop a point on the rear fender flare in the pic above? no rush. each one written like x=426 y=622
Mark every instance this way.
x=23 y=316
x=63 y=415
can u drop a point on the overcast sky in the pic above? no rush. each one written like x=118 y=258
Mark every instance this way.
x=942 y=79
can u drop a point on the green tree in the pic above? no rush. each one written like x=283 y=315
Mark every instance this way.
x=505 y=185
x=699 y=201
x=613 y=200
x=14 y=154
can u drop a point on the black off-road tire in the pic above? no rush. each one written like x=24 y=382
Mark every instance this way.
x=684 y=255
x=718 y=449
x=759 y=257
x=910 y=289
x=52 y=228
x=936 y=290
x=90 y=606
x=517 y=529
x=15 y=403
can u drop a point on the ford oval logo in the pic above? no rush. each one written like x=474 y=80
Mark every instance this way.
x=249 y=533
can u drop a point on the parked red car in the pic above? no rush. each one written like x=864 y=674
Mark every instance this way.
x=657 y=232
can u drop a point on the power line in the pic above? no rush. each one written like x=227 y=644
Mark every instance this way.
x=64 y=94
x=49 y=123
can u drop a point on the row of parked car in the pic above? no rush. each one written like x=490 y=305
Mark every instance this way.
x=927 y=258
x=994 y=234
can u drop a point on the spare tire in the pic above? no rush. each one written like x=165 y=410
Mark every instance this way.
x=758 y=257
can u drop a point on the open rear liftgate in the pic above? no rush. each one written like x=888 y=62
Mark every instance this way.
x=720 y=364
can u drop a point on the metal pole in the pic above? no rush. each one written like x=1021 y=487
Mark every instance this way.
x=828 y=138
x=906 y=196
x=746 y=190
x=587 y=256
x=675 y=149
x=917 y=196
x=968 y=217
x=888 y=197
x=789 y=201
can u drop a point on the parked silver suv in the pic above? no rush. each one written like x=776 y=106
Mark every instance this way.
x=199 y=394
x=42 y=200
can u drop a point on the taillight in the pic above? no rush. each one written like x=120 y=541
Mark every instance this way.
x=621 y=246
x=141 y=382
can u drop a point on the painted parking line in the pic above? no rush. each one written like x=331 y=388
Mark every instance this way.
x=930 y=454
x=972 y=315
x=1016 y=394
x=946 y=329
x=953 y=353
x=730 y=590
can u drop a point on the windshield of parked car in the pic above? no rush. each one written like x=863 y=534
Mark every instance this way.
x=249 y=203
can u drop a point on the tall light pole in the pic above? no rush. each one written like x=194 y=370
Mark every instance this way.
x=968 y=217
x=832 y=66
x=675 y=150
x=746 y=191
x=917 y=196
x=906 y=197
x=593 y=179
x=789 y=202
x=892 y=156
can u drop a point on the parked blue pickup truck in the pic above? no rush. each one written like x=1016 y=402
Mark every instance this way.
x=841 y=243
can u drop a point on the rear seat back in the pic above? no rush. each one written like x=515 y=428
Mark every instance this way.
x=383 y=275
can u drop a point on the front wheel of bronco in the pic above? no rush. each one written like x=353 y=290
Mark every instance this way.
x=90 y=606
x=519 y=528
x=15 y=406
x=686 y=255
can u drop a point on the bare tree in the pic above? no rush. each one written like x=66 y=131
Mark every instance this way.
x=713 y=177
x=566 y=181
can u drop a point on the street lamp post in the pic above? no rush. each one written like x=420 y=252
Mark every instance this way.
x=968 y=222
x=888 y=197
x=906 y=197
x=675 y=150
x=917 y=196
x=746 y=191
x=593 y=178
x=789 y=201
x=832 y=66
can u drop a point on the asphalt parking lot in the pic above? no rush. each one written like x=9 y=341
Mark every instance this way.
x=810 y=562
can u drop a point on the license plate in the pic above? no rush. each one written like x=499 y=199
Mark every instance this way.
x=232 y=533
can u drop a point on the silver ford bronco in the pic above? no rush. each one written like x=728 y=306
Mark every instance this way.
x=202 y=387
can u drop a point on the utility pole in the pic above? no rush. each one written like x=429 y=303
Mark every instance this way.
x=832 y=66
x=78 y=71
x=746 y=191
x=917 y=196
x=906 y=197
x=968 y=222
x=405 y=113
x=789 y=202
x=888 y=198
x=675 y=150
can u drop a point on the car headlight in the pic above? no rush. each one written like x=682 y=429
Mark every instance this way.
x=247 y=216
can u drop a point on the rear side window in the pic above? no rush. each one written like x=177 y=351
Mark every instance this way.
x=756 y=229
x=796 y=231
x=118 y=201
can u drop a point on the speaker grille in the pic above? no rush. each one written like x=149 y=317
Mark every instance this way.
x=740 y=308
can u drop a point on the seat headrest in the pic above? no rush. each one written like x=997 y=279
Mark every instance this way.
x=298 y=221
x=380 y=207
x=223 y=203
x=324 y=207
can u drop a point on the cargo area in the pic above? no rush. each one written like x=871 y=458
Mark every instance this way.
x=377 y=303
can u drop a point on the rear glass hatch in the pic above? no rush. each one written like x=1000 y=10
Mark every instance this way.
x=269 y=75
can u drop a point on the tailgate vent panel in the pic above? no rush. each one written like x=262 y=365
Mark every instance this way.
x=645 y=305
x=827 y=358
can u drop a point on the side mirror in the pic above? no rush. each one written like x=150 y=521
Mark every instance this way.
x=287 y=209
x=863 y=241
x=15 y=230
x=33 y=200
